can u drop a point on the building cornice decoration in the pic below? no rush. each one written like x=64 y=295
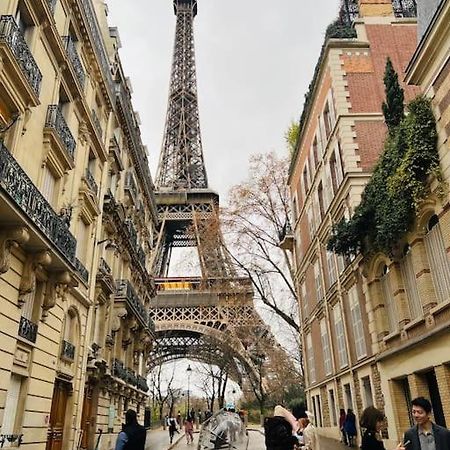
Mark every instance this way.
x=10 y=239
x=57 y=288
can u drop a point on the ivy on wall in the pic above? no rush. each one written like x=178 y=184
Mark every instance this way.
x=400 y=182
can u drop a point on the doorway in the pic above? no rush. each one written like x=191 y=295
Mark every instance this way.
x=55 y=434
x=435 y=398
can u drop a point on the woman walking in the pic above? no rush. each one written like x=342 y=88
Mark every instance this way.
x=350 y=427
x=189 y=430
x=342 y=417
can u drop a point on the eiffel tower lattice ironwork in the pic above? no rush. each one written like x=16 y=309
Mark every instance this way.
x=211 y=317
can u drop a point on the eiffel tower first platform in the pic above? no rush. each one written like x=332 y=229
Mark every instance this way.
x=210 y=318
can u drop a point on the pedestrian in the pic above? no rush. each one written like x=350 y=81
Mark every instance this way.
x=311 y=441
x=132 y=436
x=342 y=417
x=350 y=427
x=425 y=435
x=193 y=414
x=372 y=421
x=280 y=430
x=179 y=419
x=189 y=430
x=172 y=428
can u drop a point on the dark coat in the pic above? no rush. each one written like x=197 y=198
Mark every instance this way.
x=441 y=437
x=136 y=435
x=278 y=434
x=350 y=425
x=370 y=441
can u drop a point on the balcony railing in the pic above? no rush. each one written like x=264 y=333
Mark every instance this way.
x=118 y=370
x=99 y=46
x=74 y=59
x=82 y=271
x=141 y=255
x=405 y=8
x=90 y=180
x=131 y=377
x=104 y=267
x=142 y=383
x=68 y=351
x=11 y=35
x=131 y=232
x=130 y=185
x=55 y=121
x=28 y=329
x=51 y=5
x=97 y=124
x=29 y=199
x=125 y=290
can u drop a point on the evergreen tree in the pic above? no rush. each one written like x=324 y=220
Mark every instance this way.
x=393 y=108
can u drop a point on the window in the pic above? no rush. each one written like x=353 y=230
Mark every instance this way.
x=304 y=298
x=310 y=358
x=318 y=281
x=438 y=259
x=332 y=401
x=325 y=347
x=336 y=167
x=321 y=201
x=294 y=209
x=367 y=392
x=82 y=240
x=48 y=185
x=305 y=179
x=14 y=404
x=389 y=301
x=311 y=221
x=327 y=120
x=315 y=151
x=332 y=276
x=340 y=336
x=357 y=323
x=409 y=278
x=348 y=398
x=312 y=165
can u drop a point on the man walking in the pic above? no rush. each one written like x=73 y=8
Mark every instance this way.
x=425 y=435
x=132 y=436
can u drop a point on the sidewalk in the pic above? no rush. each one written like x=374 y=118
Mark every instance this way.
x=332 y=444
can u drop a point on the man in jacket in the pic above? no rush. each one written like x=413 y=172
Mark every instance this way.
x=425 y=435
x=132 y=436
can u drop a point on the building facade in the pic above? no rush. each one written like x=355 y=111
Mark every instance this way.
x=77 y=220
x=342 y=132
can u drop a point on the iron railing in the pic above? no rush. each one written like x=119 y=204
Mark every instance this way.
x=131 y=377
x=68 y=350
x=74 y=59
x=132 y=233
x=90 y=180
x=118 y=370
x=11 y=35
x=27 y=329
x=97 y=124
x=81 y=270
x=124 y=290
x=104 y=267
x=130 y=185
x=99 y=46
x=29 y=199
x=55 y=121
x=142 y=384
x=141 y=256
x=405 y=8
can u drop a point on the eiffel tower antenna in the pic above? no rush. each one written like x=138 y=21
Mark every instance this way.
x=181 y=165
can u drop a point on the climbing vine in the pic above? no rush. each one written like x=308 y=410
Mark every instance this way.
x=399 y=183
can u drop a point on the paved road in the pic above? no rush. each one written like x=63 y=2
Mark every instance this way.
x=159 y=440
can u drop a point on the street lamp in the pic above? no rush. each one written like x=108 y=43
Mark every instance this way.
x=189 y=371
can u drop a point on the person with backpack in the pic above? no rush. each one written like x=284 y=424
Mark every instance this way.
x=132 y=436
x=280 y=430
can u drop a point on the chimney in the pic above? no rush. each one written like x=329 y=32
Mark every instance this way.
x=375 y=8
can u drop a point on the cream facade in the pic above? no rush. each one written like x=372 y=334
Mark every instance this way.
x=342 y=135
x=77 y=220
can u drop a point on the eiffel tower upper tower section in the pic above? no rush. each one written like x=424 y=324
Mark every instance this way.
x=181 y=165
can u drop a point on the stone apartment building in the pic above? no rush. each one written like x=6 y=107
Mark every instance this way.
x=342 y=132
x=77 y=217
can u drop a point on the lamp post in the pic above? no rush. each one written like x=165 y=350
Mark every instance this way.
x=189 y=371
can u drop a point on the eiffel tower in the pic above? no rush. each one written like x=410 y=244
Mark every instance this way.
x=210 y=317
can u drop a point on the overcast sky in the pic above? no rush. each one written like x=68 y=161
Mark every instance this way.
x=255 y=59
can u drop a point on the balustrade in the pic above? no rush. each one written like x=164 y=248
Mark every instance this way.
x=104 y=267
x=11 y=35
x=68 y=351
x=142 y=384
x=27 y=329
x=132 y=233
x=90 y=180
x=74 y=59
x=29 y=199
x=82 y=271
x=97 y=124
x=124 y=290
x=55 y=121
x=130 y=185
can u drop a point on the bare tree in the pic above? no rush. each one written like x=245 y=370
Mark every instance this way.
x=161 y=387
x=213 y=383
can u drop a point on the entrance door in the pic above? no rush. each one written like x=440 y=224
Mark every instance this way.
x=86 y=418
x=435 y=398
x=57 y=415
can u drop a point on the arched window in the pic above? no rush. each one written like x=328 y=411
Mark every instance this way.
x=409 y=278
x=389 y=301
x=70 y=332
x=438 y=259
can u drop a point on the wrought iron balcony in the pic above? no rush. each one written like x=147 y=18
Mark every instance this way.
x=29 y=199
x=405 y=8
x=51 y=5
x=99 y=47
x=104 y=267
x=90 y=180
x=82 y=271
x=68 y=351
x=124 y=290
x=97 y=124
x=142 y=384
x=55 y=121
x=27 y=329
x=118 y=370
x=74 y=59
x=11 y=35
x=131 y=377
x=141 y=256
x=132 y=233
x=130 y=185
